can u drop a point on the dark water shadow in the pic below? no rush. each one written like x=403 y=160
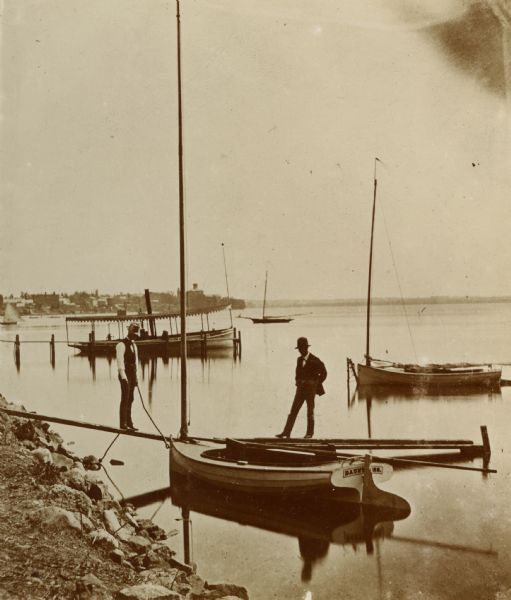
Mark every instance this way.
x=315 y=520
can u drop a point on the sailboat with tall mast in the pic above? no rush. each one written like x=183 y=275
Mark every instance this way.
x=268 y=318
x=255 y=466
x=418 y=376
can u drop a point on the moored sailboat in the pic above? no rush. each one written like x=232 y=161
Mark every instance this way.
x=418 y=377
x=260 y=467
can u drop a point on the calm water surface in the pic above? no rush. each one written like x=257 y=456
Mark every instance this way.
x=456 y=543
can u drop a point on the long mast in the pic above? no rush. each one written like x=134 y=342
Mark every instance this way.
x=264 y=299
x=368 y=317
x=182 y=266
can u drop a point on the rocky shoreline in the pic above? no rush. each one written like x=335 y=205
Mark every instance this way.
x=65 y=536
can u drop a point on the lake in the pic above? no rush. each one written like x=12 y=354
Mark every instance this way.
x=456 y=542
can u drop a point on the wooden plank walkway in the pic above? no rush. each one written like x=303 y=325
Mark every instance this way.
x=465 y=446
x=71 y=422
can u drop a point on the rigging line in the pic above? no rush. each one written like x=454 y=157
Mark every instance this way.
x=398 y=282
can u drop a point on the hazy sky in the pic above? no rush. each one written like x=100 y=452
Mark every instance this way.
x=286 y=104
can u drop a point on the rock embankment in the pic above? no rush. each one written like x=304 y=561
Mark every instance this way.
x=65 y=536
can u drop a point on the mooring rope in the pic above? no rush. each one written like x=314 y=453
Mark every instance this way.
x=167 y=445
x=113 y=482
x=109 y=446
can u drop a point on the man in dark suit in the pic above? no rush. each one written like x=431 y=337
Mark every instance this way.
x=309 y=377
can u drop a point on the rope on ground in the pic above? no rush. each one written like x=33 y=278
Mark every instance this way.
x=167 y=445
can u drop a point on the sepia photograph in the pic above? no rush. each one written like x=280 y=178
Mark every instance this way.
x=255 y=299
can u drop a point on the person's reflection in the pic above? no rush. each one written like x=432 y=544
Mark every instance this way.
x=152 y=379
x=312 y=550
x=92 y=364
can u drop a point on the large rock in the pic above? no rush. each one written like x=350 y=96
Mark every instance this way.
x=90 y=587
x=75 y=478
x=220 y=590
x=113 y=526
x=148 y=591
x=42 y=455
x=196 y=583
x=28 y=430
x=56 y=517
x=154 y=532
x=139 y=543
x=168 y=578
x=101 y=537
x=91 y=463
x=97 y=490
x=61 y=461
x=70 y=499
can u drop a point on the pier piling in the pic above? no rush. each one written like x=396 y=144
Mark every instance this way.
x=17 y=351
x=239 y=344
x=203 y=345
x=52 y=350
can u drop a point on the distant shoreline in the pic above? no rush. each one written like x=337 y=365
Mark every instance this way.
x=384 y=301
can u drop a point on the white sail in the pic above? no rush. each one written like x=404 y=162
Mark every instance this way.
x=10 y=315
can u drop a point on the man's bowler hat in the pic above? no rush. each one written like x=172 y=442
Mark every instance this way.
x=302 y=341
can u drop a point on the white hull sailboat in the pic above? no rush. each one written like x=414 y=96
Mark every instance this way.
x=418 y=377
x=260 y=467
x=211 y=463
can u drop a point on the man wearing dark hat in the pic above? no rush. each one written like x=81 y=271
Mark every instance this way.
x=310 y=374
x=127 y=360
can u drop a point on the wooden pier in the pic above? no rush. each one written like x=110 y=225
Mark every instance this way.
x=466 y=448
x=73 y=423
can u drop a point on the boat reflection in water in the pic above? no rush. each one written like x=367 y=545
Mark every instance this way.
x=398 y=394
x=149 y=364
x=316 y=520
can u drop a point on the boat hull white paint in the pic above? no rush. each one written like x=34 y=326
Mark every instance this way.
x=395 y=376
x=187 y=459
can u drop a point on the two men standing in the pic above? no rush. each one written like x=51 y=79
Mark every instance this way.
x=309 y=377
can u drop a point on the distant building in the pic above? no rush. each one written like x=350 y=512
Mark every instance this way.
x=42 y=301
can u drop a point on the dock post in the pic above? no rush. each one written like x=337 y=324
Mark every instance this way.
x=52 y=350
x=234 y=342
x=486 y=441
x=203 y=345
x=353 y=370
x=17 y=353
x=348 y=378
x=239 y=344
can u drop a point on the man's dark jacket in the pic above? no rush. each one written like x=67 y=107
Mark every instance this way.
x=314 y=370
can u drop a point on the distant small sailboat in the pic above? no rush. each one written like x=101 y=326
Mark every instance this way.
x=266 y=318
x=10 y=315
